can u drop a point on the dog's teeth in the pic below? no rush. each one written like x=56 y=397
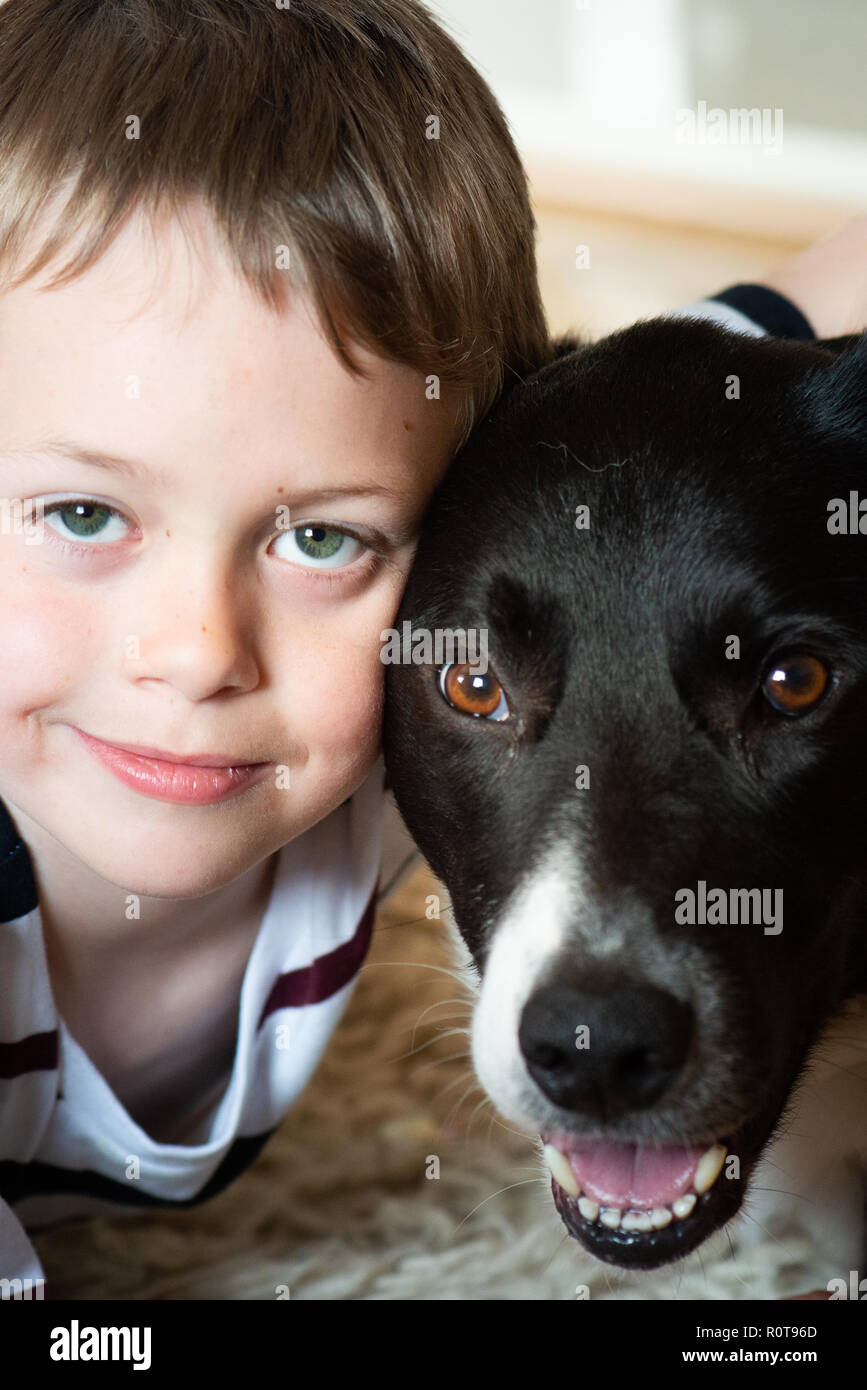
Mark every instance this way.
x=659 y=1217
x=684 y=1205
x=709 y=1168
x=636 y=1221
x=561 y=1170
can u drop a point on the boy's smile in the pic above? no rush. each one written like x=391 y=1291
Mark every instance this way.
x=173 y=602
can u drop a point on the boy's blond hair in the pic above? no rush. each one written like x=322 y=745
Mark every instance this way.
x=302 y=125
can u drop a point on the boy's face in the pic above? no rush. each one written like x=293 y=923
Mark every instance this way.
x=189 y=617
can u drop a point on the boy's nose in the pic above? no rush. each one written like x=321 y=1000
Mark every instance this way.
x=637 y=1038
x=196 y=636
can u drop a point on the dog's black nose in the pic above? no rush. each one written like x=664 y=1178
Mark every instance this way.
x=604 y=1054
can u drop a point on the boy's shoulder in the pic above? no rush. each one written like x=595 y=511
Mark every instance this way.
x=17 y=884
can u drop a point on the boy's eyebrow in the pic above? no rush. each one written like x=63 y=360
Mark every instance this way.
x=79 y=453
x=132 y=467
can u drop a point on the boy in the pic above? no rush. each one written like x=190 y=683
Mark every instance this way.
x=215 y=518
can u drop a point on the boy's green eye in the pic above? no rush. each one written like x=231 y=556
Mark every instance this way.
x=314 y=545
x=84 y=519
x=321 y=547
x=317 y=542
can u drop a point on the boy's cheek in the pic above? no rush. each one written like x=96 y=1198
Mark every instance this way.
x=50 y=644
x=344 y=690
x=55 y=650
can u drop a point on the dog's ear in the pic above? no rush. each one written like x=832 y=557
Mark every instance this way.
x=843 y=344
x=565 y=344
x=835 y=393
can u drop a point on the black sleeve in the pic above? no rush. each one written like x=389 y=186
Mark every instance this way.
x=771 y=311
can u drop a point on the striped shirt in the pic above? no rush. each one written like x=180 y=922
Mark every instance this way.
x=68 y=1147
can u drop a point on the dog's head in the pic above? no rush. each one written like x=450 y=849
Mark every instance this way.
x=650 y=809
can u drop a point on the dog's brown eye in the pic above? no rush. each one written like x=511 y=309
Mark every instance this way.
x=796 y=683
x=473 y=692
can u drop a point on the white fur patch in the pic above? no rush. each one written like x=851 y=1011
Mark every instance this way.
x=535 y=928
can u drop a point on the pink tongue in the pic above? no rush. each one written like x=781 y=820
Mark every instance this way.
x=630 y=1175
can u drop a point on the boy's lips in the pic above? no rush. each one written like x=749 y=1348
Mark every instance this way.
x=187 y=759
x=194 y=779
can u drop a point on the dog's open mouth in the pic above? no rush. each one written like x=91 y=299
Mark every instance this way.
x=639 y=1206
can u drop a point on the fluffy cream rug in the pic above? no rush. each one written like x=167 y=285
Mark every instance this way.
x=344 y=1202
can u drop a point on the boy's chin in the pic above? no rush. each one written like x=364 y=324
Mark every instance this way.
x=136 y=874
x=144 y=861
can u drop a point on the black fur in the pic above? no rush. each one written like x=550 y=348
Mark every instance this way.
x=708 y=518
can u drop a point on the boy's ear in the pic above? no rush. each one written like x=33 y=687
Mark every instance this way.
x=835 y=393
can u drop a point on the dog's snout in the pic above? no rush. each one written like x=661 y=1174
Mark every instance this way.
x=604 y=1054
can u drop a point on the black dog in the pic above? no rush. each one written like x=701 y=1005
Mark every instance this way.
x=650 y=811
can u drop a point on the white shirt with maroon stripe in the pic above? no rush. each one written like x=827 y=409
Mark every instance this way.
x=68 y=1147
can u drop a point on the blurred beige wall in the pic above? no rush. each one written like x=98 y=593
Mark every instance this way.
x=636 y=268
x=596 y=94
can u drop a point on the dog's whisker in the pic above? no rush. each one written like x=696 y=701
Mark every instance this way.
x=731 y=1243
x=772 y=1164
x=481 y=1105
x=519 y=1133
x=749 y=1216
x=440 y=1003
x=491 y=1121
x=784 y=1192
x=847 y=1071
x=473 y=1086
x=418 y=964
x=451 y=1057
x=558 y=1246
x=525 y=1182
x=414 y=1051
x=443 y=1033
x=457 y=1080
x=446 y=909
x=443 y=1061
x=409 y=922
x=745 y=1283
